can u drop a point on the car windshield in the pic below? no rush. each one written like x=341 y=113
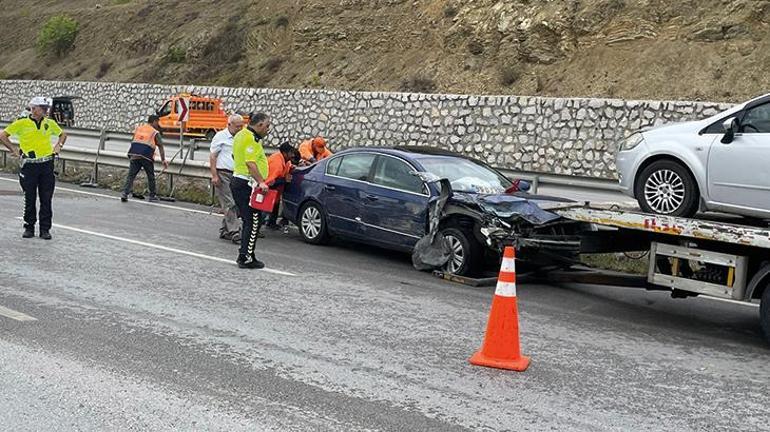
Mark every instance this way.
x=466 y=175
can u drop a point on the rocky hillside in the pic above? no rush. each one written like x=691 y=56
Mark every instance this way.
x=660 y=49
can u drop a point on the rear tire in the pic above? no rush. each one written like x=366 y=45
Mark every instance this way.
x=312 y=224
x=466 y=252
x=666 y=187
x=764 y=313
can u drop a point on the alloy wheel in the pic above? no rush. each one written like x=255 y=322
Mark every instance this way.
x=311 y=222
x=664 y=191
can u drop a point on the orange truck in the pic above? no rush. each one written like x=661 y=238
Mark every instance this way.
x=206 y=116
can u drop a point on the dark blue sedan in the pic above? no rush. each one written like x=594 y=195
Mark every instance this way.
x=373 y=195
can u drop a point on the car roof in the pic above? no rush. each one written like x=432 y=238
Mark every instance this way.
x=407 y=152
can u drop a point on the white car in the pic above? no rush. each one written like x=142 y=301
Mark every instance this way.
x=721 y=163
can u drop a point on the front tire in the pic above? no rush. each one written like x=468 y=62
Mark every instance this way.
x=465 y=252
x=666 y=187
x=312 y=224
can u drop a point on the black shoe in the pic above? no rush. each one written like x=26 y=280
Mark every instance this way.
x=124 y=198
x=28 y=233
x=45 y=235
x=260 y=235
x=273 y=227
x=153 y=198
x=249 y=263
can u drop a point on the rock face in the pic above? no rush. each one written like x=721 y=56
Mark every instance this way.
x=576 y=137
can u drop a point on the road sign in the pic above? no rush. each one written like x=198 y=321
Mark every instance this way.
x=184 y=109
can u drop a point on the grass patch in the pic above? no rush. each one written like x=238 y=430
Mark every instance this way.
x=617 y=262
x=186 y=189
x=57 y=36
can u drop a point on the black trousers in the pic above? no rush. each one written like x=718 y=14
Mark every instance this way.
x=37 y=180
x=251 y=219
x=133 y=169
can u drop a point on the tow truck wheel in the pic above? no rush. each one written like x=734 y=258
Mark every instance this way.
x=764 y=313
x=312 y=224
x=465 y=252
x=666 y=187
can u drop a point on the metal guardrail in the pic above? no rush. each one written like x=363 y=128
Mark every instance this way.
x=183 y=162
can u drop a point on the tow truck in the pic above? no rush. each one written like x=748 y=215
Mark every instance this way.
x=688 y=257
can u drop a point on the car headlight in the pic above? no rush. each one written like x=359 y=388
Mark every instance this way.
x=631 y=142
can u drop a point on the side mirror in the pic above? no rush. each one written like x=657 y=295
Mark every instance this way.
x=730 y=128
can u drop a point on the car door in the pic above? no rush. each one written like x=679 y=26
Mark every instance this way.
x=395 y=206
x=345 y=183
x=738 y=173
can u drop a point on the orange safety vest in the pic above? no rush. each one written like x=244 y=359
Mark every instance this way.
x=277 y=167
x=307 y=151
x=143 y=142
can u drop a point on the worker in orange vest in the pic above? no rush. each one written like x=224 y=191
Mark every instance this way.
x=142 y=154
x=313 y=150
x=279 y=173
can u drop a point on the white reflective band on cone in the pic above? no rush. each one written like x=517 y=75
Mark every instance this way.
x=508 y=265
x=506 y=289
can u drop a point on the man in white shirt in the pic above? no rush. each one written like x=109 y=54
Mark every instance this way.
x=221 y=163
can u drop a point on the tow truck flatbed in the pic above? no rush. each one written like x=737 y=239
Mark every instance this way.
x=687 y=256
x=700 y=229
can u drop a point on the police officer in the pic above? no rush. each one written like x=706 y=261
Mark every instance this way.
x=36 y=155
x=249 y=166
x=142 y=155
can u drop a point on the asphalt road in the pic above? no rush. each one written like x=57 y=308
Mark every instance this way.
x=135 y=318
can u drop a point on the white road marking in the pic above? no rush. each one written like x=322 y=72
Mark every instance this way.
x=15 y=315
x=164 y=248
x=130 y=200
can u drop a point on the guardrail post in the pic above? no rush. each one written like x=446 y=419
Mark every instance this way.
x=103 y=138
x=193 y=146
x=535 y=185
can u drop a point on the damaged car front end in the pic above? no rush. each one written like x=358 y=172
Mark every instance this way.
x=494 y=221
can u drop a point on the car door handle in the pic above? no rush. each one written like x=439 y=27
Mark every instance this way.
x=330 y=188
x=372 y=197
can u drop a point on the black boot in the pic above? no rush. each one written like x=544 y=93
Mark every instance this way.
x=249 y=262
x=28 y=233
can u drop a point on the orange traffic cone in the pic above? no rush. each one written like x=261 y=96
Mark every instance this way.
x=501 y=343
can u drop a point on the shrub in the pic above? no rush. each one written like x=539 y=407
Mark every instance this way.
x=509 y=75
x=281 y=21
x=475 y=47
x=104 y=67
x=57 y=35
x=176 y=55
x=418 y=84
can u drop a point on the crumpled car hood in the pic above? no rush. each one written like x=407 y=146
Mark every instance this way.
x=505 y=206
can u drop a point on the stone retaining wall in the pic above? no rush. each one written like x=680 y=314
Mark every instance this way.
x=550 y=135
